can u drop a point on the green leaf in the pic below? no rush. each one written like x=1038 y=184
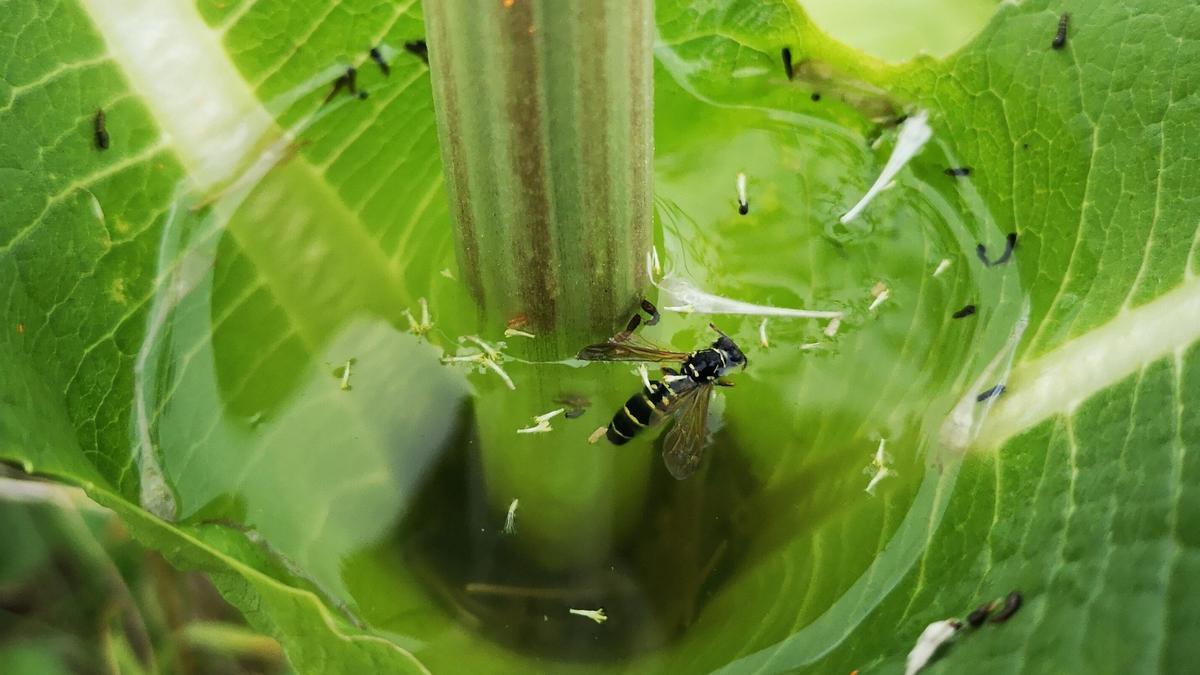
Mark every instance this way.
x=178 y=312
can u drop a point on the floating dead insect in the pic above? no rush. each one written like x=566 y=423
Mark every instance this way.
x=1011 y=604
x=419 y=49
x=788 y=69
x=958 y=171
x=683 y=395
x=743 y=203
x=347 y=80
x=991 y=393
x=377 y=57
x=1010 y=243
x=100 y=131
x=976 y=618
x=1060 y=38
x=596 y=615
x=932 y=638
x=342 y=372
x=966 y=311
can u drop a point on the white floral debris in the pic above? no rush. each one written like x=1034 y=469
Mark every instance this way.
x=489 y=358
x=743 y=204
x=934 y=636
x=645 y=375
x=423 y=326
x=879 y=467
x=881 y=292
x=510 y=519
x=546 y=417
x=596 y=615
x=447 y=273
x=832 y=328
x=913 y=136
x=492 y=352
x=515 y=332
x=684 y=296
x=808 y=346
x=762 y=334
x=655 y=266
x=598 y=434
x=941 y=267
x=346 y=375
x=541 y=423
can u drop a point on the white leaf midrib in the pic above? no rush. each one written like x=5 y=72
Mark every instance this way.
x=179 y=69
x=1059 y=381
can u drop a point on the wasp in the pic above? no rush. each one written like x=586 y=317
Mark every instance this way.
x=682 y=394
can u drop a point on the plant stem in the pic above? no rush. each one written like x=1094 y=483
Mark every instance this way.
x=544 y=112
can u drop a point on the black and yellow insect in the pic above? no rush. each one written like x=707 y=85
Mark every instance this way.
x=683 y=394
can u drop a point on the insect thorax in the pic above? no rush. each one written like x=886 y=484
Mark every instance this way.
x=704 y=365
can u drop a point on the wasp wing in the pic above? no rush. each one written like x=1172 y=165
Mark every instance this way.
x=684 y=442
x=629 y=348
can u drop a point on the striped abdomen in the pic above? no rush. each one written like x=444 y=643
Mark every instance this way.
x=646 y=408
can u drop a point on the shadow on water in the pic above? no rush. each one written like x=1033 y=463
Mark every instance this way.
x=691 y=540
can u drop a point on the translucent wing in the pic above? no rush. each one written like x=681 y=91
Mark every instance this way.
x=629 y=348
x=684 y=442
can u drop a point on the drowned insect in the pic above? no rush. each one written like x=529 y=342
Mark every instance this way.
x=682 y=394
x=1060 y=38
x=101 y=131
x=377 y=57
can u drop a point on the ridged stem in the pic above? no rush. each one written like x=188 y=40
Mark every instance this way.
x=544 y=112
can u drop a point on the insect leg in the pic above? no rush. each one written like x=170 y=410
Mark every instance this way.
x=649 y=308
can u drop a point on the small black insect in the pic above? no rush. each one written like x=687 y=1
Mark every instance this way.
x=101 y=132
x=682 y=394
x=347 y=80
x=362 y=95
x=378 y=58
x=1010 y=243
x=787 y=64
x=959 y=171
x=1011 y=604
x=816 y=96
x=991 y=393
x=976 y=618
x=419 y=49
x=1060 y=38
x=966 y=311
